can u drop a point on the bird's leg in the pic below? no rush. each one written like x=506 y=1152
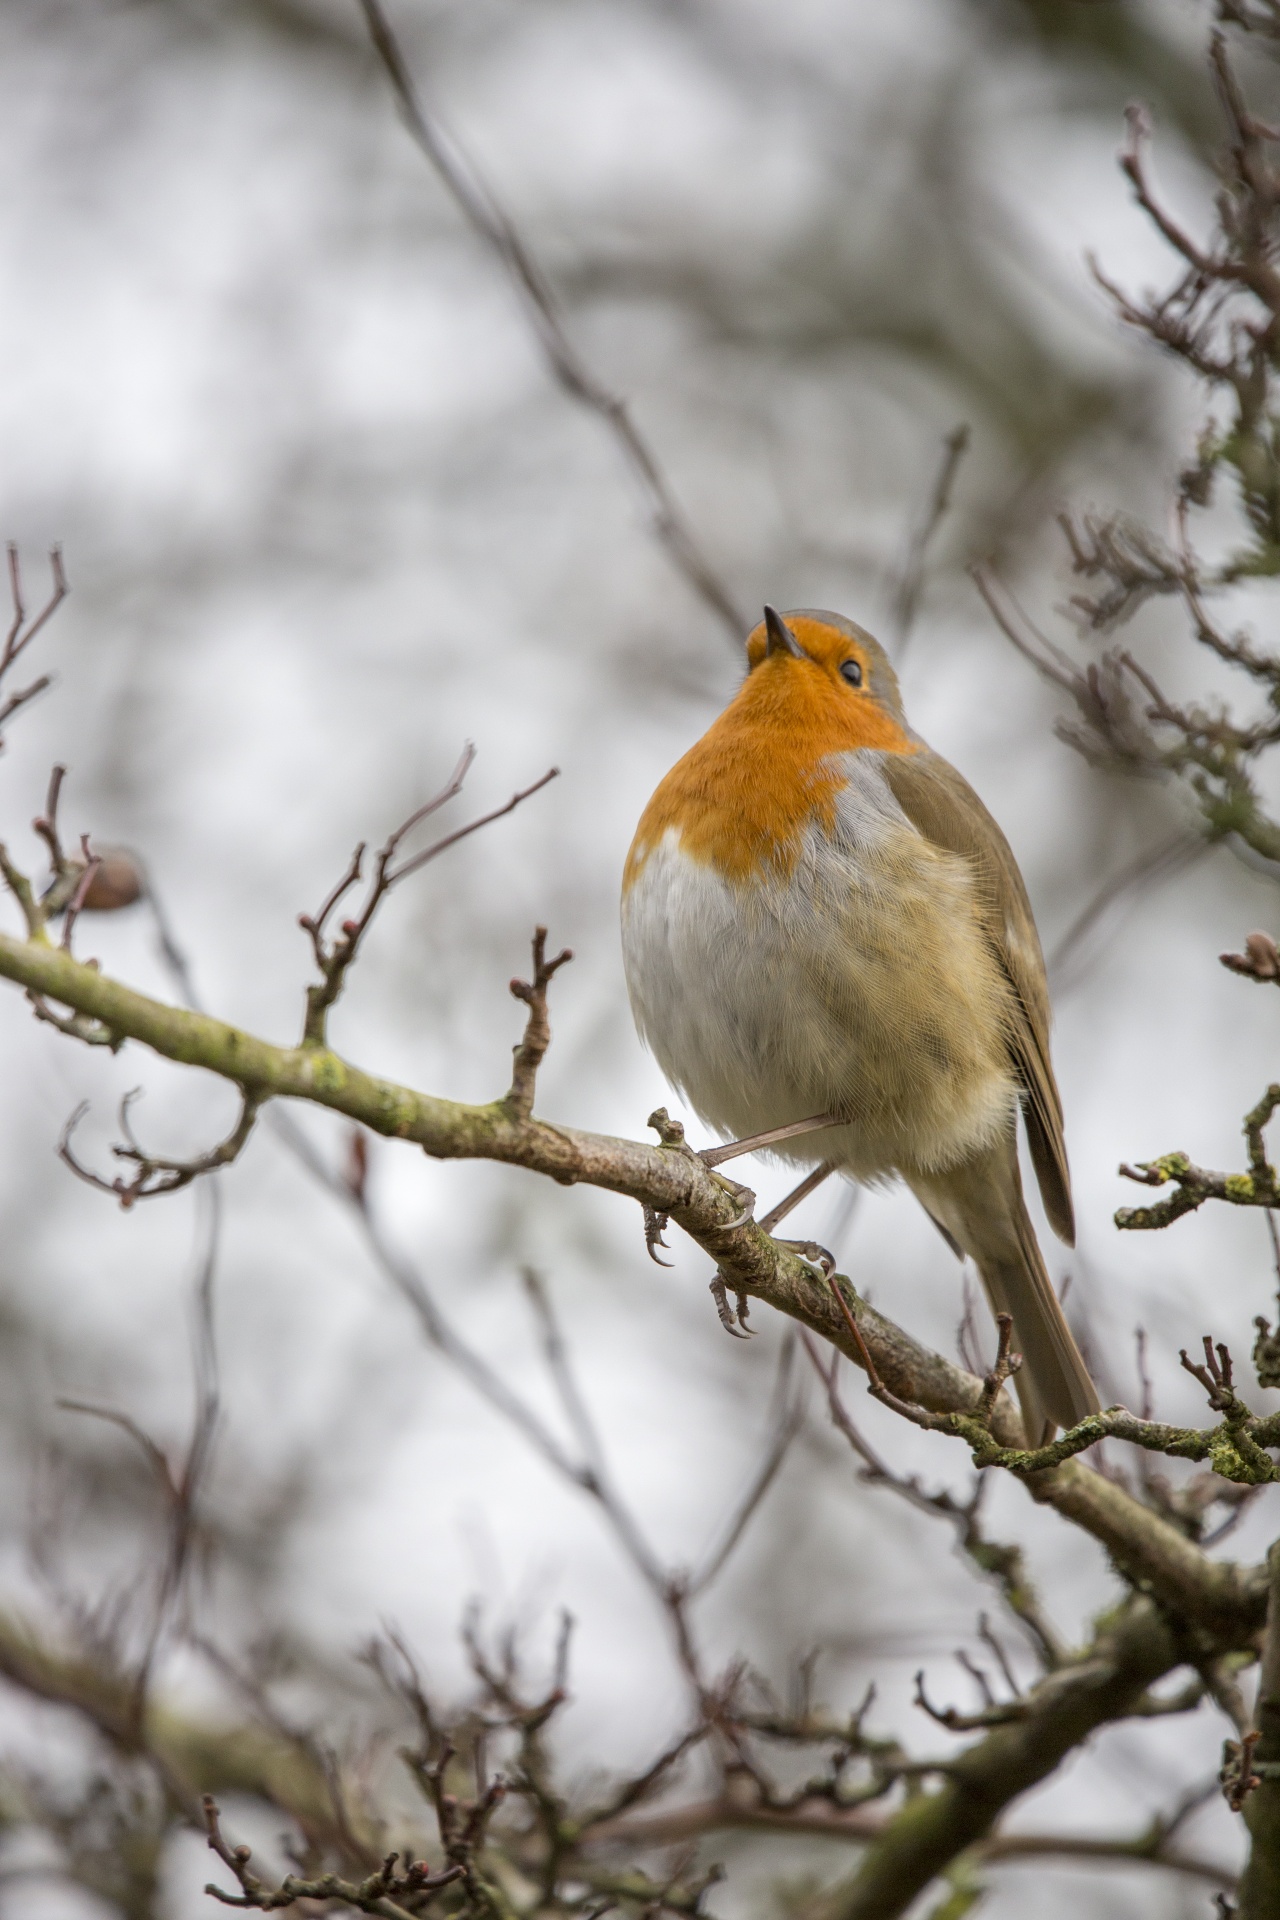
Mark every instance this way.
x=729 y=1320
x=712 y=1157
x=672 y=1135
x=716 y=1156
x=810 y=1184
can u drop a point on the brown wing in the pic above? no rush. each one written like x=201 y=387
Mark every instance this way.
x=942 y=805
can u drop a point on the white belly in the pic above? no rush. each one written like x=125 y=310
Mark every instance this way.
x=861 y=984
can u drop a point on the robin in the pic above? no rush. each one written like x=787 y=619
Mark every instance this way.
x=830 y=950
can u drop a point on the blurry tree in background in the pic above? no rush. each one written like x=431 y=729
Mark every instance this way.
x=353 y=456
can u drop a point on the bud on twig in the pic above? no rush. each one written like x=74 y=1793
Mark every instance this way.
x=1259 y=961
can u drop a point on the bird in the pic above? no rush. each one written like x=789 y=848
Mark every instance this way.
x=821 y=922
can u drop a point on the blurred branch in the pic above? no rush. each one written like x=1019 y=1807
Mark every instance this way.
x=180 y=1481
x=1260 y=1755
x=1103 y=1850
x=736 y=1811
x=1262 y=18
x=23 y=631
x=786 y=1422
x=1170 y=858
x=416 y=1293
x=911 y=585
x=381 y=1893
x=1106 y=1681
x=1129 y=1654
x=936 y=1825
x=586 y=1470
x=1221 y=319
x=595 y=1476
x=350 y=1187
x=571 y=371
x=1006 y=1565
x=214 y=1756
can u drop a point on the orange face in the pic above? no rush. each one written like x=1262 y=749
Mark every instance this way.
x=853 y=678
x=742 y=798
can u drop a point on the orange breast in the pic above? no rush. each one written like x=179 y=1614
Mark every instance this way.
x=742 y=798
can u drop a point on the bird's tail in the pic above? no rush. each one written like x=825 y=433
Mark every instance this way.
x=981 y=1207
x=1054 y=1387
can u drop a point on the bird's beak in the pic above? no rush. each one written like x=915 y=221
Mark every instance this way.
x=781 y=639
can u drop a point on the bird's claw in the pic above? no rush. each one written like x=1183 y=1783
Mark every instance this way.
x=655 y=1225
x=732 y=1319
x=745 y=1197
x=816 y=1255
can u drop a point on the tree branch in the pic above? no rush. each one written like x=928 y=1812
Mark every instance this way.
x=673 y=1180
x=380 y=1893
x=935 y=1827
x=738 y=1809
x=1260 y=1886
x=1257 y=1188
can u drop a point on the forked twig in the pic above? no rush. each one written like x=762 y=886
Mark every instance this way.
x=22 y=632
x=531 y=1051
x=381 y=1893
x=154 y=1174
x=334 y=957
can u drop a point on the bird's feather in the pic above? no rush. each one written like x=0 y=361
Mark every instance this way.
x=943 y=807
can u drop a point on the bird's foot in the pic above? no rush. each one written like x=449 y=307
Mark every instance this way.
x=732 y=1319
x=655 y=1225
x=815 y=1255
x=744 y=1196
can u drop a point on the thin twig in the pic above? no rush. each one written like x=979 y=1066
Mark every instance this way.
x=787 y=1420
x=496 y=228
x=530 y=1053
x=1033 y=645
x=413 y=1288
x=1003 y=1564
x=154 y=1175
x=21 y=632
x=911 y=585
x=599 y=1481
x=335 y=957
x=180 y=1483
x=1170 y=858
x=381 y=1893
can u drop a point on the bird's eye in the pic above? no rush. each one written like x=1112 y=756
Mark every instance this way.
x=851 y=670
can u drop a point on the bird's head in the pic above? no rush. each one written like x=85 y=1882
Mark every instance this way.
x=741 y=799
x=836 y=659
